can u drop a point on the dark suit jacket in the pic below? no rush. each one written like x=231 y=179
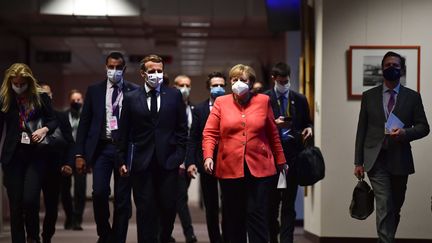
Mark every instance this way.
x=194 y=153
x=13 y=134
x=299 y=110
x=165 y=136
x=92 y=120
x=66 y=151
x=370 y=130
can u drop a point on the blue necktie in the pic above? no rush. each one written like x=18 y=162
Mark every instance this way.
x=283 y=108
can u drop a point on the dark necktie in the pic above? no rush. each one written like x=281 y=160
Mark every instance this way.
x=391 y=101
x=282 y=105
x=115 y=94
x=153 y=103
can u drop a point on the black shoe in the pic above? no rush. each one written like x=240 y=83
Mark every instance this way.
x=191 y=239
x=68 y=225
x=171 y=240
x=77 y=227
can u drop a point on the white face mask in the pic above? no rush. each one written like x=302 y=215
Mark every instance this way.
x=185 y=91
x=19 y=90
x=114 y=76
x=282 y=88
x=154 y=79
x=240 y=88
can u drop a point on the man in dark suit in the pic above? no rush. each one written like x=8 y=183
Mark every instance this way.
x=385 y=153
x=95 y=148
x=57 y=158
x=154 y=121
x=292 y=117
x=194 y=156
x=74 y=208
x=184 y=84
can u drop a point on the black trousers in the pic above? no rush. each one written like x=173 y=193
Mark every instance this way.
x=51 y=190
x=182 y=205
x=210 y=193
x=287 y=198
x=245 y=208
x=22 y=179
x=155 y=196
x=74 y=207
x=103 y=168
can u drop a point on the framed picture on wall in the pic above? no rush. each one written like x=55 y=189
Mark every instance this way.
x=364 y=67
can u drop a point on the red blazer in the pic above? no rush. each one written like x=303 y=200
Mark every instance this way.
x=244 y=133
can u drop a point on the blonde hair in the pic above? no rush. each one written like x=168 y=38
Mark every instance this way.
x=240 y=69
x=32 y=92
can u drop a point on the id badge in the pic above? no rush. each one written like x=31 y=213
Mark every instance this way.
x=112 y=123
x=25 y=139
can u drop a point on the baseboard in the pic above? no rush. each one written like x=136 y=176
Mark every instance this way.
x=316 y=239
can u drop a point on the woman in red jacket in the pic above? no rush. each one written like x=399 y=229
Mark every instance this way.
x=249 y=154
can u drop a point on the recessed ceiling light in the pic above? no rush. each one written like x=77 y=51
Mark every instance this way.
x=192 y=42
x=191 y=62
x=193 y=50
x=194 y=34
x=196 y=24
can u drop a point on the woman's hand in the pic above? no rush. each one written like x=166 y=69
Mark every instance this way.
x=208 y=165
x=39 y=135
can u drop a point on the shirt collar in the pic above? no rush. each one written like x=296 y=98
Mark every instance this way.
x=147 y=89
x=119 y=84
x=396 y=89
x=278 y=94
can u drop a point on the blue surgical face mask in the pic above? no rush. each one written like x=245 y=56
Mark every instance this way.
x=216 y=92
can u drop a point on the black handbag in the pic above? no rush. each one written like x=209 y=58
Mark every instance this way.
x=362 y=203
x=309 y=166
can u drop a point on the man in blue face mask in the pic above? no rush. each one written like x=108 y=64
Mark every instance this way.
x=216 y=82
x=385 y=154
x=291 y=111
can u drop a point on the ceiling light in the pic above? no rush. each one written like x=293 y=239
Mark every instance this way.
x=192 y=56
x=108 y=45
x=194 y=34
x=192 y=42
x=193 y=50
x=195 y=24
x=191 y=62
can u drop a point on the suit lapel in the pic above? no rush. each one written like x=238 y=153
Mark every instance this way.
x=379 y=100
x=206 y=109
x=274 y=103
x=400 y=100
x=143 y=99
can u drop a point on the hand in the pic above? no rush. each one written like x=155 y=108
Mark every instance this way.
x=39 y=135
x=66 y=170
x=307 y=133
x=123 y=171
x=281 y=123
x=208 y=165
x=192 y=171
x=182 y=169
x=359 y=171
x=282 y=167
x=80 y=165
x=397 y=133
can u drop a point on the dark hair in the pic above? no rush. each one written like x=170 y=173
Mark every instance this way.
x=394 y=54
x=150 y=58
x=281 y=69
x=74 y=91
x=214 y=75
x=115 y=55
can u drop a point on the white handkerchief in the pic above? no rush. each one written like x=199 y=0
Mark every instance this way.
x=282 y=182
x=393 y=122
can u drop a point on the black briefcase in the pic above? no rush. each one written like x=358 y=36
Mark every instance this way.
x=309 y=166
x=362 y=203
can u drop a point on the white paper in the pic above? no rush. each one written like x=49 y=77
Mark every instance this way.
x=282 y=182
x=393 y=122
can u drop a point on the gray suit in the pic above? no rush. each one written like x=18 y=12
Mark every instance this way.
x=388 y=167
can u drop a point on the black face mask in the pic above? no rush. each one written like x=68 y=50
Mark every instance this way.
x=75 y=106
x=392 y=74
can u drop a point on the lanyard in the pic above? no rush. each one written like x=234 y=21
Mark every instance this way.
x=117 y=102
x=287 y=110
